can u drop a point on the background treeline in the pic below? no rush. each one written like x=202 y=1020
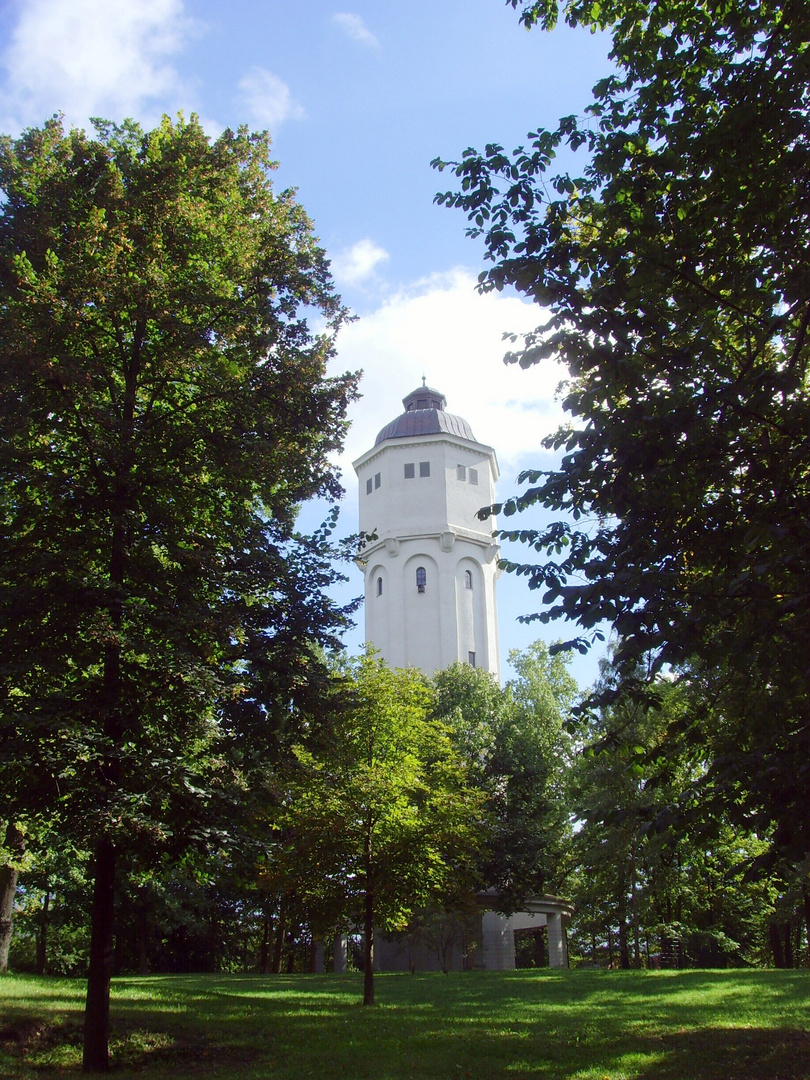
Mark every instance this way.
x=605 y=809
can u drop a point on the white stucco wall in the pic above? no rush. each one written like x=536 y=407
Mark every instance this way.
x=429 y=522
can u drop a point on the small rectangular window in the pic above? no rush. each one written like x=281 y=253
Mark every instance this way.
x=424 y=468
x=376 y=480
x=368 y=486
x=473 y=476
x=461 y=472
x=471 y=659
x=409 y=471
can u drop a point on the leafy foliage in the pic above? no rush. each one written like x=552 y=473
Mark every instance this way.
x=517 y=751
x=164 y=410
x=671 y=271
x=381 y=821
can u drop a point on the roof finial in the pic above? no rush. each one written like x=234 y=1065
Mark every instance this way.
x=424 y=381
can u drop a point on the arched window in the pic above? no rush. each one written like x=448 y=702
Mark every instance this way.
x=468 y=579
x=379 y=586
x=421 y=578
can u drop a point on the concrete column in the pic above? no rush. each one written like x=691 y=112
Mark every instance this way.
x=557 y=950
x=341 y=953
x=498 y=953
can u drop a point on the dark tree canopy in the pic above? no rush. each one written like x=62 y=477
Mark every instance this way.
x=672 y=272
x=164 y=409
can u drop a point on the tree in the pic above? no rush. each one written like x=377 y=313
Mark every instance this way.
x=381 y=820
x=164 y=410
x=654 y=859
x=517 y=752
x=672 y=271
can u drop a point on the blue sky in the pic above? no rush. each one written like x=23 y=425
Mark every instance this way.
x=358 y=99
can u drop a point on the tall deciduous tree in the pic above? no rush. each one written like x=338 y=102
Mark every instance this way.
x=672 y=271
x=164 y=409
x=518 y=750
x=381 y=820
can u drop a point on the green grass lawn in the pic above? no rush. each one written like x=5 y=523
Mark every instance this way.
x=593 y=1025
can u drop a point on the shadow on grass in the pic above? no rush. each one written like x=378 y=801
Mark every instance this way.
x=487 y=1026
x=735 y=1054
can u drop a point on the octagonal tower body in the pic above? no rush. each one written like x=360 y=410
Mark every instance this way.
x=430 y=573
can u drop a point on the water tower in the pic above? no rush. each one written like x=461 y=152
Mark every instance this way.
x=430 y=571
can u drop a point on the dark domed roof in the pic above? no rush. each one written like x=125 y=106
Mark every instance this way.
x=424 y=415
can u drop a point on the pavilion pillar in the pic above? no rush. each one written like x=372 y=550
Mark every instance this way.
x=557 y=946
x=341 y=953
x=498 y=942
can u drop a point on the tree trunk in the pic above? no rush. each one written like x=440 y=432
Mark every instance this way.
x=264 y=954
x=776 y=945
x=214 y=937
x=634 y=911
x=42 y=934
x=788 y=946
x=624 y=947
x=97 y=1007
x=368 y=966
x=278 y=944
x=8 y=890
x=143 y=938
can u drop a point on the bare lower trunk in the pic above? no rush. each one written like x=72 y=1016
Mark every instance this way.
x=143 y=938
x=788 y=946
x=776 y=945
x=264 y=955
x=368 y=966
x=634 y=911
x=42 y=934
x=278 y=947
x=624 y=948
x=8 y=890
x=97 y=1007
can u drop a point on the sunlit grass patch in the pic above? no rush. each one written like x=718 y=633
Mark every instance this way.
x=578 y=1025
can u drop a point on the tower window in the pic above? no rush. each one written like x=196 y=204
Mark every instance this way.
x=424 y=468
x=468 y=579
x=471 y=659
x=410 y=470
x=461 y=472
x=379 y=586
x=422 y=403
x=473 y=476
x=368 y=486
x=376 y=480
x=421 y=578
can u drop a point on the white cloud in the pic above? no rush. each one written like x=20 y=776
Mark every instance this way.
x=94 y=57
x=357 y=263
x=354 y=27
x=443 y=329
x=268 y=99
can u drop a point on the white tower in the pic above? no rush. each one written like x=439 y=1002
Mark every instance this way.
x=430 y=573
